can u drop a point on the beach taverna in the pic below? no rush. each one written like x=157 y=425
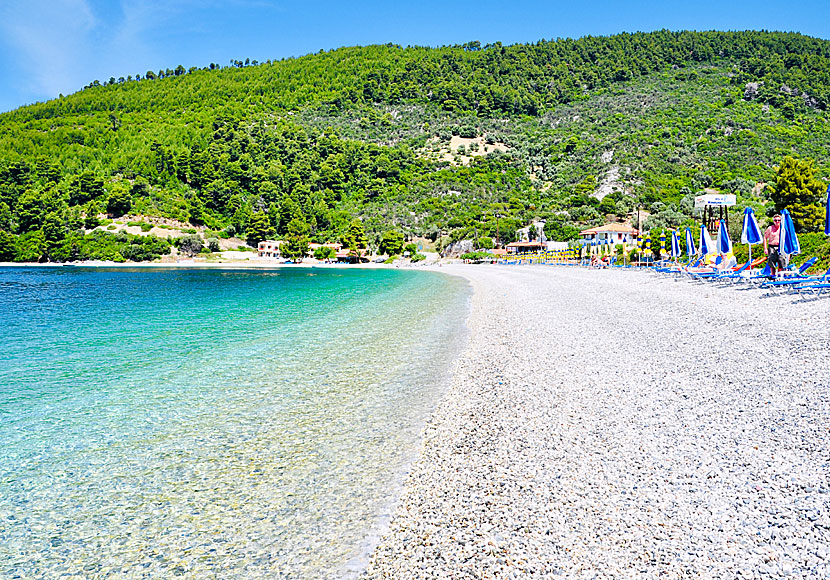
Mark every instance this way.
x=521 y=247
x=615 y=233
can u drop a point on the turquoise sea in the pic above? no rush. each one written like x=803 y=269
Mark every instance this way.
x=160 y=423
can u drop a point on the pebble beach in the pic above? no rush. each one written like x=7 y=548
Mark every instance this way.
x=617 y=424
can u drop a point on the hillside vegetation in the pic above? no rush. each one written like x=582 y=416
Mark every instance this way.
x=359 y=140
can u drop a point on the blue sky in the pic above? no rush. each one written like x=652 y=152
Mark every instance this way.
x=49 y=47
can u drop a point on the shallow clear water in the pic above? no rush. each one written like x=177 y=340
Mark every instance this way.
x=202 y=423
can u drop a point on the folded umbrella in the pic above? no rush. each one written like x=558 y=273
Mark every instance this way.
x=750 y=233
x=827 y=213
x=690 y=243
x=788 y=240
x=705 y=246
x=675 y=245
x=724 y=243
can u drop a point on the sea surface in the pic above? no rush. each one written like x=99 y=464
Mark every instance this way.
x=161 y=423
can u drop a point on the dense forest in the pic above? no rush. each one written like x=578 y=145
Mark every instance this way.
x=439 y=144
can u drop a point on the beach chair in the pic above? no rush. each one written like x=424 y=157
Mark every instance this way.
x=816 y=289
x=707 y=273
x=743 y=273
x=799 y=277
x=764 y=276
x=731 y=272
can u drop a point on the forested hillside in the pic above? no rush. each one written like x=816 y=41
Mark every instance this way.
x=439 y=143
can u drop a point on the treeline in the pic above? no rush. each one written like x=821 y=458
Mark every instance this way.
x=516 y=79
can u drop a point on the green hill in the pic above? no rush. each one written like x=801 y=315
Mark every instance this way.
x=573 y=131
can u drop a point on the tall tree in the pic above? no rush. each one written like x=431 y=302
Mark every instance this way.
x=392 y=243
x=797 y=190
x=355 y=236
x=296 y=242
x=259 y=229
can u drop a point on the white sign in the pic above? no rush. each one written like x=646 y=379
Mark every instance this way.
x=714 y=199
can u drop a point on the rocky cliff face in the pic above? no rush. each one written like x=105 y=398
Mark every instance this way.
x=455 y=249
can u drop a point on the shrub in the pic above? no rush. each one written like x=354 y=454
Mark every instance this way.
x=190 y=245
x=484 y=242
x=324 y=253
x=477 y=256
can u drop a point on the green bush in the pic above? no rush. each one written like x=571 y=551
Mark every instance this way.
x=477 y=256
x=392 y=243
x=324 y=253
x=190 y=245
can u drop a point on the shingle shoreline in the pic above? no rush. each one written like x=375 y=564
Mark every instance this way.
x=613 y=424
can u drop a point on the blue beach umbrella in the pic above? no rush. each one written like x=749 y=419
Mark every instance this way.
x=724 y=243
x=675 y=245
x=706 y=244
x=690 y=243
x=750 y=233
x=788 y=241
x=827 y=213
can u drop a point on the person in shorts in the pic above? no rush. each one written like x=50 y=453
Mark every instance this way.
x=772 y=235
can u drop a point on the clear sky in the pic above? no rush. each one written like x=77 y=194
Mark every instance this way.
x=49 y=47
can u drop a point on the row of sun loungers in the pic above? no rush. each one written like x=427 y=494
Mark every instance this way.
x=755 y=273
x=793 y=280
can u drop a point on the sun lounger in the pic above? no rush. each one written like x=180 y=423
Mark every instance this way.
x=797 y=279
x=705 y=273
x=816 y=289
x=742 y=273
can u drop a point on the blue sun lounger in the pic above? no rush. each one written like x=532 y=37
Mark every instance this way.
x=813 y=288
x=798 y=279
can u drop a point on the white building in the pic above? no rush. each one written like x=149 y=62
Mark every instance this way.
x=616 y=233
x=269 y=249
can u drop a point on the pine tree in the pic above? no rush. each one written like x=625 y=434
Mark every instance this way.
x=259 y=229
x=296 y=242
x=797 y=190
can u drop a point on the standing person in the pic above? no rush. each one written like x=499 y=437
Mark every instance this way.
x=771 y=237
